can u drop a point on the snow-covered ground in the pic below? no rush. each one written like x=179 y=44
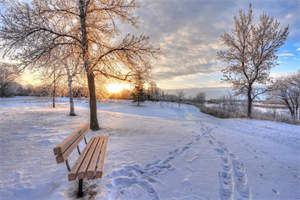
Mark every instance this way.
x=157 y=151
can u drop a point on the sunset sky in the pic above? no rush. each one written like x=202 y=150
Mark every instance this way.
x=188 y=33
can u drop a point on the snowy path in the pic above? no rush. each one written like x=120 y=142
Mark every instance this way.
x=155 y=152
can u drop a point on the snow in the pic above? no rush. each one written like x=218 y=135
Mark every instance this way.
x=157 y=151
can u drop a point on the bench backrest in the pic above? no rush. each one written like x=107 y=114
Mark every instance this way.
x=65 y=148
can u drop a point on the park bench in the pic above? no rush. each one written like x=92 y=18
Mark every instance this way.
x=90 y=161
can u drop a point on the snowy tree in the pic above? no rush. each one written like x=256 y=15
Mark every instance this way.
x=32 y=30
x=287 y=90
x=70 y=68
x=139 y=78
x=153 y=91
x=8 y=74
x=51 y=77
x=250 y=53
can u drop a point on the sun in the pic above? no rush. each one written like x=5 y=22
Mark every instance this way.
x=116 y=88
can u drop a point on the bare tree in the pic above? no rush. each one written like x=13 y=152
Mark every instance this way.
x=153 y=91
x=8 y=74
x=32 y=32
x=180 y=96
x=51 y=77
x=70 y=68
x=296 y=84
x=250 y=53
x=200 y=98
x=287 y=91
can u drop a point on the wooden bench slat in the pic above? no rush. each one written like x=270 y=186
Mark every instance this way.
x=90 y=163
x=83 y=168
x=92 y=167
x=60 y=148
x=100 y=164
x=73 y=174
x=62 y=157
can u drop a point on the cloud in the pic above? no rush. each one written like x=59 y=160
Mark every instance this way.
x=289 y=16
x=188 y=32
x=298 y=49
x=286 y=55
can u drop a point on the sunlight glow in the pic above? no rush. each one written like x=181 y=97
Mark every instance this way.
x=30 y=78
x=116 y=88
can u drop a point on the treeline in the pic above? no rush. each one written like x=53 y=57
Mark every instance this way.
x=16 y=89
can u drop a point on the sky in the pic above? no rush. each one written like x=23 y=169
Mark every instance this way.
x=188 y=34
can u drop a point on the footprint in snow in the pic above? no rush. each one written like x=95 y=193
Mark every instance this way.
x=275 y=191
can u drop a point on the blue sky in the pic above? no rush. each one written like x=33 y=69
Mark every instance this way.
x=188 y=33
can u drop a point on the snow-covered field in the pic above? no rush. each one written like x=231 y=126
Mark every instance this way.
x=157 y=151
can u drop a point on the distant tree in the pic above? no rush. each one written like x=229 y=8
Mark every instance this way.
x=8 y=74
x=170 y=97
x=287 y=91
x=70 y=67
x=163 y=96
x=41 y=90
x=80 y=91
x=139 y=77
x=51 y=76
x=200 y=98
x=180 y=96
x=229 y=103
x=250 y=53
x=153 y=91
x=101 y=91
x=138 y=94
x=296 y=83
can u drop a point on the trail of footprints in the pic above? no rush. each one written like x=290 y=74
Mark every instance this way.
x=144 y=176
x=233 y=178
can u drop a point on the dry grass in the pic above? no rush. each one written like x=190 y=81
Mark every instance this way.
x=239 y=111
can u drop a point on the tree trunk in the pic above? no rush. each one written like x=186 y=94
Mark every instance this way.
x=93 y=102
x=297 y=111
x=289 y=106
x=249 y=110
x=90 y=76
x=54 y=91
x=53 y=99
x=72 y=109
x=293 y=114
x=1 y=91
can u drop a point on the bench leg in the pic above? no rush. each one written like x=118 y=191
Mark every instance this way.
x=78 y=149
x=80 y=192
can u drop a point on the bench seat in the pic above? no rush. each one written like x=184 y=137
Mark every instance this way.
x=91 y=160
